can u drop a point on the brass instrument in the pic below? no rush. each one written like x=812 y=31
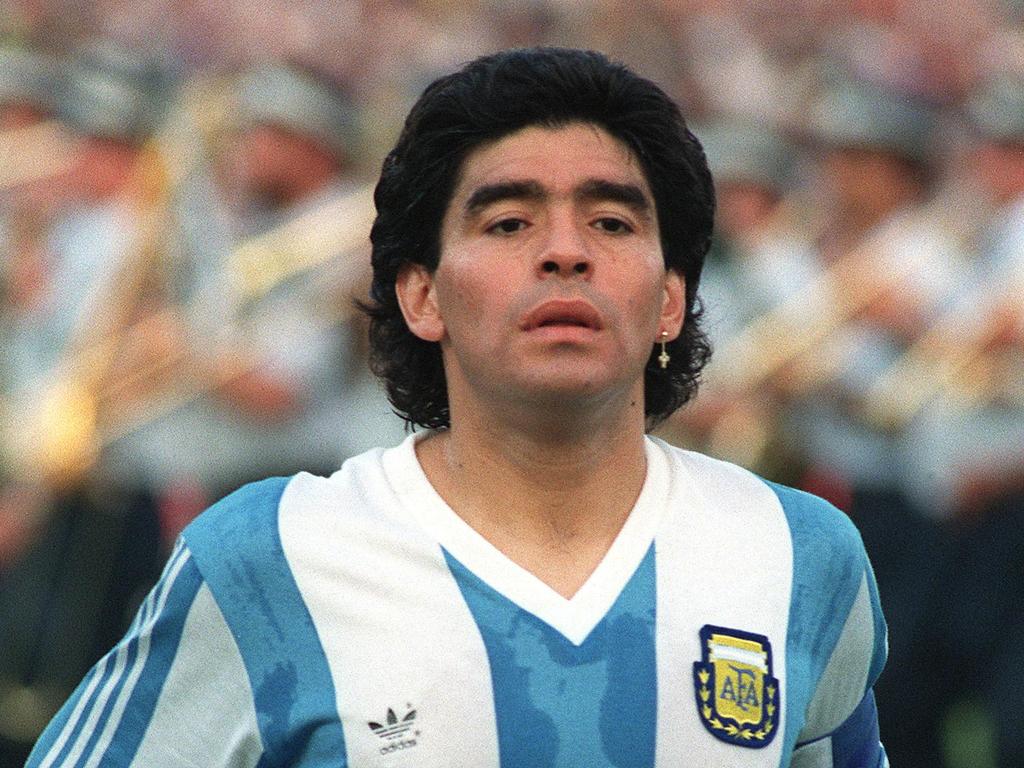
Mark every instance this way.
x=939 y=361
x=774 y=349
x=809 y=318
x=86 y=408
x=326 y=237
x=52 y=437
x=745 y=426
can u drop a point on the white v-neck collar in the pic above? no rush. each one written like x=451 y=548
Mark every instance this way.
x=574 y=618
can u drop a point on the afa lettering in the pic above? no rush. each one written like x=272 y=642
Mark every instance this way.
x=744 y=691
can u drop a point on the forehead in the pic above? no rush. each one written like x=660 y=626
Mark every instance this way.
x=558 y=158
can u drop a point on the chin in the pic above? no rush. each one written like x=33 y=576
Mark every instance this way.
x=570 y=389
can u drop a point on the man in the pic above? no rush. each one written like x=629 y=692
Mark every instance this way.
x=759 y=258
x=532 y=581
x=288 y=406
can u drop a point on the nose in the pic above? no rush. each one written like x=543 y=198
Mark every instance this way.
x=566 y=253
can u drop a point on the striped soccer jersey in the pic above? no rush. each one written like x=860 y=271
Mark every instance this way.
x=357 y=621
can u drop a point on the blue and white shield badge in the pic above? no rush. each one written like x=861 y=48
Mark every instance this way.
x=737 y=695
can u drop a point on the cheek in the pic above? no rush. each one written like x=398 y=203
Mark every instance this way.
x=457 y=292
x=647 y=292
x=470 y=295
x=649 y=307
x=478 y=275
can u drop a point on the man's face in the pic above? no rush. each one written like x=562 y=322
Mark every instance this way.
x=551 y=285
x=869 y=181
x=276 y=166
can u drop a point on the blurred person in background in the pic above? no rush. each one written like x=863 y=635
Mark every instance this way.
x=286 y=386
x=887 y=263
x=975 y=420
x=896 y=263
x=296 y=119
x=967 y=442
x=28 y=101
x=760 y=257
x=72 y=584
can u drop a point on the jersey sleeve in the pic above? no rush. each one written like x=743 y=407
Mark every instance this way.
x=841 y=728
x=838 y=617
x=854 y=744
x=135 y=705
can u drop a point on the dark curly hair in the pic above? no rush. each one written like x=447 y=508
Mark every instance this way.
x=488 y=99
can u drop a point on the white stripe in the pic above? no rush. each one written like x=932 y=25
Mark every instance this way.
x=394 y=625
x=179 y=558
x=845 y=678
x=724 y=557
x=208 y=667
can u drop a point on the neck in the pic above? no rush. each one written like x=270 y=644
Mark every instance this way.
x=551 y=494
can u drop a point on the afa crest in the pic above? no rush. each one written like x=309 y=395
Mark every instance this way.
x=737 y=696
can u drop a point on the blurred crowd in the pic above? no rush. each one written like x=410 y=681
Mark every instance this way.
x=185 y=199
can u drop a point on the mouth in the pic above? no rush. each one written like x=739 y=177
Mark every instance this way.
x=562 y=313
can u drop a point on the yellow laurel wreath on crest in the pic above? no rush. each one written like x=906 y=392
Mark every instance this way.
x=735 y=731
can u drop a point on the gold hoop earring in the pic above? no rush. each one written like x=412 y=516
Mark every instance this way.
x=664 y=357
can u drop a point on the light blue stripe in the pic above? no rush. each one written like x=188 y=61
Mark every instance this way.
x=828 y=566
x=237 y=546
x=559 y=705
x=155 y=649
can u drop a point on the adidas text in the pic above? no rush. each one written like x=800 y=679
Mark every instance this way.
x=408 y=743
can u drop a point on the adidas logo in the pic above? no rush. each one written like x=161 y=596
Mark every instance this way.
x=395 y=732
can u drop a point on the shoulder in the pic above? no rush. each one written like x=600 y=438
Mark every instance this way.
x=829 y=563
x=833 y=581
x=252 y=514
x=231 y=526
x=728 y=486
x=809 y=517
x=819 y=529
x=812 y=521
x=242 y=533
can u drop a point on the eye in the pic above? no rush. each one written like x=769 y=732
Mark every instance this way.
x=507 y=227
x=613 y=226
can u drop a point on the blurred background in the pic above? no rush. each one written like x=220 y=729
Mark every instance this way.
x=184 y=208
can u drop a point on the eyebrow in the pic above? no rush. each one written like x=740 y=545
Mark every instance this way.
x=591 y=190
x=630 y=195
x=504 y=190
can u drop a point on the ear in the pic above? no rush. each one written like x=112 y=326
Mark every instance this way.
x=418 y=299
x=673 y=305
